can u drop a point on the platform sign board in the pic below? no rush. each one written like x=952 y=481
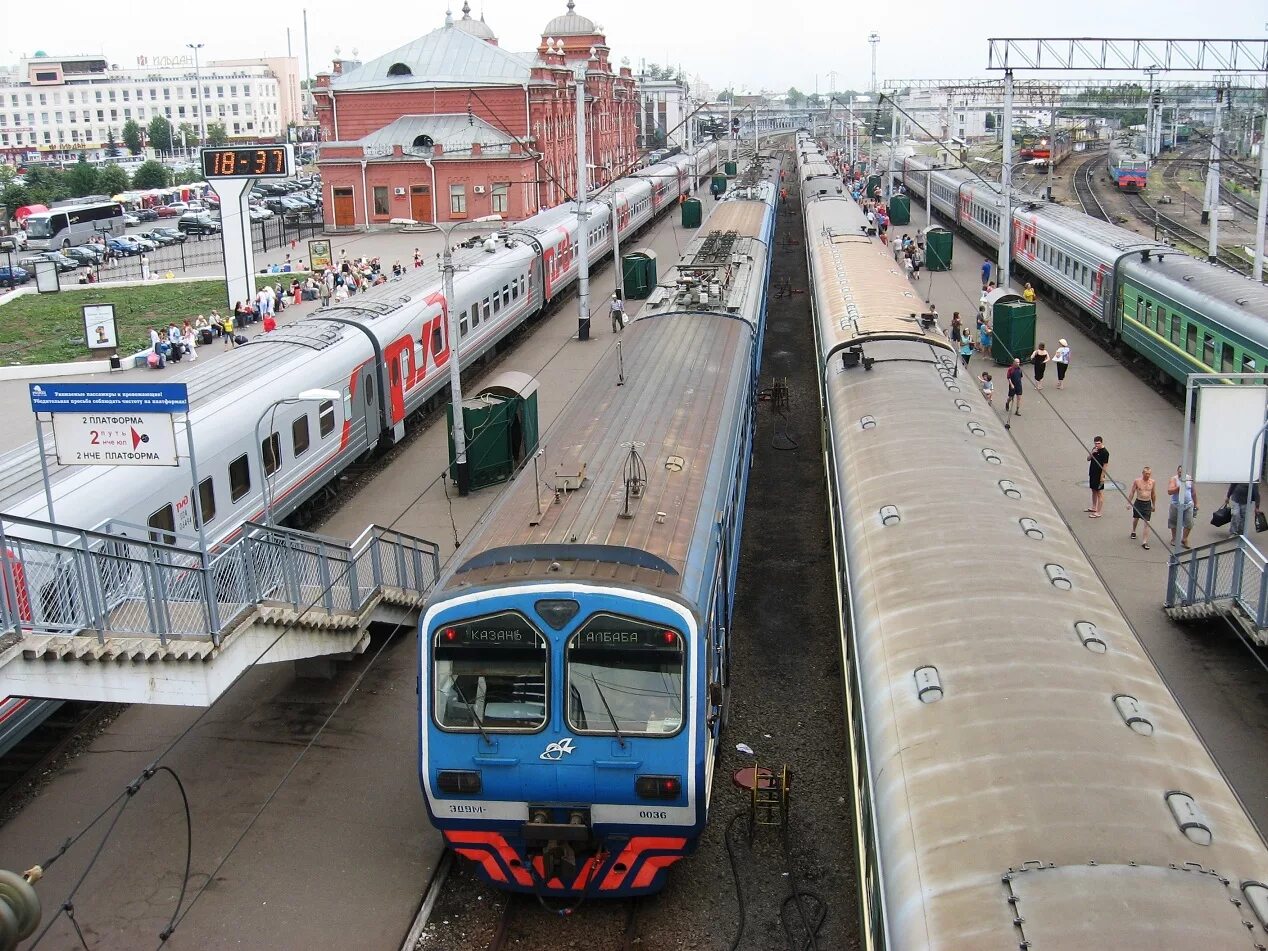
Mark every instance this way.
x=115 y=439
x=99 y=327
x=1228 y=421
x=319 y=255
x=109 y=398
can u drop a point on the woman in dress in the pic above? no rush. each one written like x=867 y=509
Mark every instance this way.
x=1039 y=362
x=1062 y=359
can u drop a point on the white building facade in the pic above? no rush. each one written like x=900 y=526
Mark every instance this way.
x=62 y=107
x=662 y=109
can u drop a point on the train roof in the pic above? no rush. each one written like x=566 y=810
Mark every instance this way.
x=1076 y=222
x=1235 y=301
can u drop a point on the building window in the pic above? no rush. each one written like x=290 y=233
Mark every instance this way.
x=380 y=201
x=399 y=69
x=457 y=199
x=497 y=202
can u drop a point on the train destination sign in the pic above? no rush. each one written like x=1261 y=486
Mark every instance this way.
x=115 y=439
x=606 y=631
x=501 y=630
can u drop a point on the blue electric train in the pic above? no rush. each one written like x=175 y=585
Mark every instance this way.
x=574 y=665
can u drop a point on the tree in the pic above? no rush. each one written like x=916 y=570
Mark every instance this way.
x=15 y=196
x=160 y=134
x=132 y=136
x=81 y=179
x=814 y=100
x=990 y=122
x=46 y=185
x=112 y=179
x=217 y=134
x=112 y=144
x=186 y=136
x=795 y=96
x=188 y=176
x=151 y=174
x=726 y=95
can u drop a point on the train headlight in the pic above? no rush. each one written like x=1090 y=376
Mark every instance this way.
x=658 y=787
x=463 y=781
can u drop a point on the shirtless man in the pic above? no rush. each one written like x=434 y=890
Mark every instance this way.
x=1142 y=498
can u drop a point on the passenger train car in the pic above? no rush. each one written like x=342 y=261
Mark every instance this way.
x=1022 y=775
x=1128 y=168
x=386 y=352
x=1183 y=315
x=574 y=665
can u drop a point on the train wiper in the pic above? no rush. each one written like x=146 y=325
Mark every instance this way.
x=620 y=739
x=475 y=716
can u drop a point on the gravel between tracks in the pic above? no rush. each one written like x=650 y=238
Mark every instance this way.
x=786 y=702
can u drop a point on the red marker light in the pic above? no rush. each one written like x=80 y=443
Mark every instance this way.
x=669 y=637
x=450 y=634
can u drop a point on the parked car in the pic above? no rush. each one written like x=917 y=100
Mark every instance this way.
x=161 y=240
x=198 y=224
x=144 y=244
x=259 y=214
x=195 y=205
x=86 y=256
x=13 y=276
x=169 y=211
x=62 y=261
x=130 y=220
x=174 y=234
x=146 y=214
x=16 y=240
x=123 y=247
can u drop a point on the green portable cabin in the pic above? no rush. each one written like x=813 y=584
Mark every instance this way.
x=692 y=213
x=718 y=183
x=899 y=210
x=939 y=243
x=1012 y=326
x=638 y=273
x=501 y=429
x=730 y=168
x=873 y=183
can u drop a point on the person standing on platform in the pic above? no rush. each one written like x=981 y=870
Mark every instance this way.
x=1028 y=294
x=145 y=268
x=1014 y=387
x=1184 y=505
x=1039 y=362
x=1236 y=501
x=986 y=272
x=966 y=350
x=956 y=333
x=1062 y=359
x=984 y=337
x=1097 y=470
x=617 y=309
x=1142 y=498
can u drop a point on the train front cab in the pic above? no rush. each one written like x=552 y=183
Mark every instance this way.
x=559 y=752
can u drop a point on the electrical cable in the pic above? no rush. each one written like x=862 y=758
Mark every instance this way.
x=742 y=910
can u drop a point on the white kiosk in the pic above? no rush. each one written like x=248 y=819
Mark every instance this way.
x=230 y=171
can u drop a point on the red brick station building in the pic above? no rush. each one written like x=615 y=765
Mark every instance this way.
x=451 y=126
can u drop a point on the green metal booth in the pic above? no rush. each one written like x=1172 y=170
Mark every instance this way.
x=501 y=428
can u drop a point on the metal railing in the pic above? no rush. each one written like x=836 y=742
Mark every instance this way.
x=55 y=580
x=1231 y=570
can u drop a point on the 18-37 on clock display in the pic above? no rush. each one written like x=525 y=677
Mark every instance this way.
x=250 y=161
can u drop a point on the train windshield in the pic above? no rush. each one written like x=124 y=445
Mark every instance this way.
x=490 y=675
x=625 y=677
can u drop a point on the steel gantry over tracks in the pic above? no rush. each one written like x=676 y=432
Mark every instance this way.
x=1135 y=55
x=115 y=615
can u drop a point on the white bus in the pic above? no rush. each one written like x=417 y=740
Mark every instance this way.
x=71 y=225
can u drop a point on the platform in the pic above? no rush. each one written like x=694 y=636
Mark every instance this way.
x=104 y=617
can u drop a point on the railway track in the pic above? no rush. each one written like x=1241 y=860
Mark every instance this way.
x=1086 y=193
x=25 y=763
x=1151 y=215
x=504 y=936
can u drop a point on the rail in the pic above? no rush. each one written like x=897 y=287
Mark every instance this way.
x=56 y=580
x=1228 y=573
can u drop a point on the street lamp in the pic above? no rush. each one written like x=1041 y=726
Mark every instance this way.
x=455 y=369
x=305 y=396
x=202 y=120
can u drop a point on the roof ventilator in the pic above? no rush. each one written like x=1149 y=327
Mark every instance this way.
x=1257 y=897
x=889 y=515
x=1009 y=488
x=1090 y=635
x=928 y=685
x=991 y=456
x=1031 y=528
x=963 y=406
x=867 y=422
x=976 y=428
x=635 y=478
x=1056 y=574
x=1189 y=817
x=1129 y=709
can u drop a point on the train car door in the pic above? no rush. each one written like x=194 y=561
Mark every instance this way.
x=366 y=405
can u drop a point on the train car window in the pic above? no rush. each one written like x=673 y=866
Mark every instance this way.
x=1248 y=364
x=1226 y=358
x=487 y=313
x=299 y=436
x=1149 y=313
x=1175 y=329
x=1208 y=350
x=497 y=303
x=369 y=391
x=435 y=340
x=625 y=675
x=165 y=520
x=206 y=501
x=239 y=478
x=490 y=673
x=406 y=356
x=326 y=418
x=515 y=288
x=462 y=323
x=506 y=294
x=1140 y=309
x=1161 y=322
x=271 y=452
x=1191 y=339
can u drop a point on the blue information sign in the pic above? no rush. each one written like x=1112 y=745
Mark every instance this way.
x=109 y=398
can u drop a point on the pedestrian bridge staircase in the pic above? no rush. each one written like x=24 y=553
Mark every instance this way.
x=116 y=616
x=1227 y=579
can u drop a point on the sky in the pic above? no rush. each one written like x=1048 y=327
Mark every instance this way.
x=751 y=44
